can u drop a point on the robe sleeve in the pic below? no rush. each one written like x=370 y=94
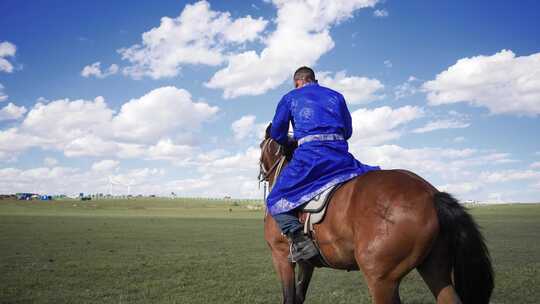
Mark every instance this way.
x=347 y=120
x=280 y=123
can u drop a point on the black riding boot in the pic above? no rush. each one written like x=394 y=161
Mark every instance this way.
x=302 y=248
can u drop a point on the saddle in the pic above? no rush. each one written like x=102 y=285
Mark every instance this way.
x=314 y=211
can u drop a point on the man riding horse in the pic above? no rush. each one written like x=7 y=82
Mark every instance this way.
x=322 y=124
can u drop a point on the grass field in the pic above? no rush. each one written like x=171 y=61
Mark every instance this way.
x=202 y=251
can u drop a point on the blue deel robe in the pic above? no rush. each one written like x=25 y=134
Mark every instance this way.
x=319 y=117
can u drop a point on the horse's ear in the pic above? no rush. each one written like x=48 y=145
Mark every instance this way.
x=267 y=132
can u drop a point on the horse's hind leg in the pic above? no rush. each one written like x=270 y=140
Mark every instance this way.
x=436 y=272
x=305 y=271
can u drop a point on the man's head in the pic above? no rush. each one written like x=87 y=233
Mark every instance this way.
x=302 y=76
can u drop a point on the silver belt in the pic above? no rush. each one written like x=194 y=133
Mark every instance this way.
x=320 y=137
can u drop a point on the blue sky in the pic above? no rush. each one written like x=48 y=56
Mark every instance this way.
x=450 y=90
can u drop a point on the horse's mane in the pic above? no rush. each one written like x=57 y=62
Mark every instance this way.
x=289 y=148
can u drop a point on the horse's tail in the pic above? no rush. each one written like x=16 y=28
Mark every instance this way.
x=468 y=254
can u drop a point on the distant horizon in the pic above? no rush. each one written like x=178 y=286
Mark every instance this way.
x=225 y=198
x=174 y=96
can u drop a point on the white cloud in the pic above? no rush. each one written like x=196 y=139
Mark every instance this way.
x=509 y=175
x=371 y=127
x=40 y=180
x=407 y=88
x=459 y=139
x=535 y=165
x=442 y=124
x=453 y=170
x=90 y=128
x=387 y=63
x=426 y=161
x=166 y=149
x=138 y=176
x=210 y=174
x=3 y=95
x=244 y=29
x=216 y=185
x=380 y=13
x=461 y=188
x=159 y=112
x=7 y=49
x=456 y=170
x=498 y=158
x=12 y=141
x=301 y=37
x=242 y=162
x=63 y=120
x=11 y=112
x=215 y=180
x=105 y=165
x=243 y=127
x=76 y=125
x=355 y=89
x=87 y=145
x=95 y=70
x=50 y=161
x=503 y=83
x=198 y=36
x=189 y=186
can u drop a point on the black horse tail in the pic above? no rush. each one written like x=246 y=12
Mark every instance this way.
x=468 y=253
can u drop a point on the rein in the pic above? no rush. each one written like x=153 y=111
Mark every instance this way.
x=276 y=167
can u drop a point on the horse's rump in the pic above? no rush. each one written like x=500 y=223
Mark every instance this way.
x=388 y=207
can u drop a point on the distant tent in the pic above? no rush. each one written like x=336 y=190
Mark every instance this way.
x=24 y=196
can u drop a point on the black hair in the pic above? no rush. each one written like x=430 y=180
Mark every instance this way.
x=305 y=73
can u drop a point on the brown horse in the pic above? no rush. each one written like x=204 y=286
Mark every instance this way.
x=387 y=223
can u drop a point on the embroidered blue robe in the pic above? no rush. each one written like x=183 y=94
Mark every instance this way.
x=322 y=123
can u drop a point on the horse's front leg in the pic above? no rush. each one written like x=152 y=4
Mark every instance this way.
x=305 y=271
x=285 y=269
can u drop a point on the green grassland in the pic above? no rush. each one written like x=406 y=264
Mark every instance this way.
x=205 y=251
